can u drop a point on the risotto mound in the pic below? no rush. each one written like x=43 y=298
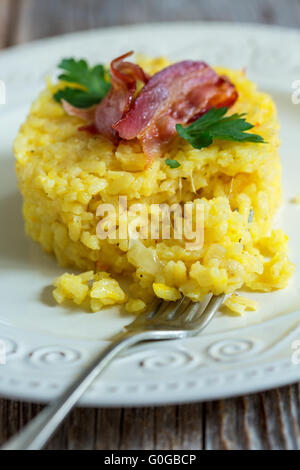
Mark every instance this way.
x=64 y=175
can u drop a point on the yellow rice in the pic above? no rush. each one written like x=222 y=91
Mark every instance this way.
x=65 y=174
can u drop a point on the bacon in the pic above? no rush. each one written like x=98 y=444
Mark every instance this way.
x=86 y=114
x=124 y=76
x=101 y=118
x=178 y=94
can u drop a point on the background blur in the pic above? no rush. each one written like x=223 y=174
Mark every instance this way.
x=26 y=20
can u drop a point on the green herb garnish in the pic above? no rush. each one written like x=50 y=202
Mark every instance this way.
x=92 y=79
x=172 y=163
x=212 y=125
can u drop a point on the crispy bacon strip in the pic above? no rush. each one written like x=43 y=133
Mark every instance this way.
x=124 y=76
x=102 y=117
x=86 y=114
x=178 y=94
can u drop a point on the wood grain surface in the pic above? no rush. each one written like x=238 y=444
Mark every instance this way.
x=268 y=420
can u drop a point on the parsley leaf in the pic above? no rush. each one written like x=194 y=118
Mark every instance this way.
x=76 y=97
x=212 y=125
x=172 y=163
x=92 y=79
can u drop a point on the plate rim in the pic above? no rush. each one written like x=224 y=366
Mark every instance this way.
x=41 y=395
x=249 y=26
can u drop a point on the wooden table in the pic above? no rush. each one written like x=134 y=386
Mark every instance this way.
x=269 y=420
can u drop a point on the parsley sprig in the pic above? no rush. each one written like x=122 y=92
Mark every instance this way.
x=213 y=125
x=92 y=79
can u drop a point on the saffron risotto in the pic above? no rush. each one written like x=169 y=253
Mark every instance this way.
x=64 y=175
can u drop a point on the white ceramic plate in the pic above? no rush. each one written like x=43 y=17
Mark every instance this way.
x=47 y=345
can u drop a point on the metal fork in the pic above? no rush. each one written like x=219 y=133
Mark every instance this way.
x=164 y=320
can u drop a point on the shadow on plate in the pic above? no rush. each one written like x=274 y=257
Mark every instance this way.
x=16 y=249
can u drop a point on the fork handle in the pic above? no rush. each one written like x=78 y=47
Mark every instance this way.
x=36 y=434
